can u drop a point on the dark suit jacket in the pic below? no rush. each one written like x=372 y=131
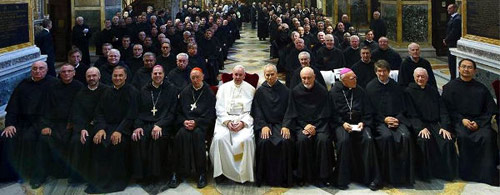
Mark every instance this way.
x=43 y=40
x=453 y=31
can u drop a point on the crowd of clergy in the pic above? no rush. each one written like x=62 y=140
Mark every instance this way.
x=150 y=118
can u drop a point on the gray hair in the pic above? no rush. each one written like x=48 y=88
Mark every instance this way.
x=420 y=69
x=94 y=69
x=355 y=37
x=305 y=53
x=149 y=54
x=115 y=51
x=239 y=67
x=182 y=55
x=412 y=44
x=272 y=66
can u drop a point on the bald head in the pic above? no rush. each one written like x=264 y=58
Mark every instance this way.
x=38 y=70
x=307 y=76
x=93 y=75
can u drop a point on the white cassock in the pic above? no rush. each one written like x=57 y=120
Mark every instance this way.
x=232 y=153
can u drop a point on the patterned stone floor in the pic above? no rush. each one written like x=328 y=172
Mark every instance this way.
x=254 y=54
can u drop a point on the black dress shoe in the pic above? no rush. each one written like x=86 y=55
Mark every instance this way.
x=174 y=182
x=374 y=187
x=35 y=185
x=202 y=181
x=343 y=187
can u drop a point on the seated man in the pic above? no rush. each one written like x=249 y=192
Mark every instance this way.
x=52 y=152
x=155 y=122
x=471 y=107
x=179 y=76
x=356 y=152
x=436 y=152
x=115 y=115
x=307 y=118
x=195 y=116
x=22 y=127
x=305 y=61
x=83 y=114
x=387 y=102
x=274 y=155
x=233 y=146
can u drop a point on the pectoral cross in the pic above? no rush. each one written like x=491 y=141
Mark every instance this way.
x=193 y=106
x=350 y=115
x=154 y=110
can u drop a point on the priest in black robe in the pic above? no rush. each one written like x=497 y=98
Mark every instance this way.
x=351 y=54
x=414 y=60
x=107 y=68
x=103 y=59
x=292 y=62
x=364 y=68
x=22 y=123
x=305 y=61
x=384 y=52
x=471 y=107
x=356 y=152
x=135 y=61
x=143 y=75
x=52 y=151
x=75 y=58
x=392 y=136
x=307 y=118
x=195 y=116
x=196 y=60
x=369 y=41
x=275 y=150
x=179 y=76
x=212 y=53
x=80 y=37
x=167 y=58
x=435 y=150
x=82 y=118
x=115 y=115
x=154 y=125
x=329 y=57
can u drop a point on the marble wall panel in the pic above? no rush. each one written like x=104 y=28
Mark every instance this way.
x=359 y=13
x=389 y=14
x=415 y=23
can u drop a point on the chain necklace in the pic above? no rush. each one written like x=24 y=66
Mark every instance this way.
x=349 y=105
x=193 y=105
x=154 y=110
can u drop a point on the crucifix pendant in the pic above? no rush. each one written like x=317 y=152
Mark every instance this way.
x=154 y=110
x=193 y=106
x=350 y=115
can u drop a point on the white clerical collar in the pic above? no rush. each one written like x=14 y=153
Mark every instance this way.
x=413 y=59
x=153 y=83
x=453 y=15
x=385 y=83
x=76 y=66
x=46 y=29
x=93 y=88
x=117 y=88
x=196 y=89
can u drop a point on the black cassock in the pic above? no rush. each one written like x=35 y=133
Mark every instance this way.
x=274 y=155
x=351 y=56
x=395 y=146
x=134 y=64
x=356 y=152
x=315 y=155
x=435 y=157
x=107 y=72
x=408 y=66
x=478 y=152
x=142 y=77
x=168 y=63
x=179 y=78
x=197 y=105
x=83 y=115
x=52 y=150
x=329 y=59
x=296 y=80
x=115 y=112
x=24 y=111
x=389 y=55
x=364 y=72
x=156 y=106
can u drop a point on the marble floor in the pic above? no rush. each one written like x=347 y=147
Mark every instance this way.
x=254 y=54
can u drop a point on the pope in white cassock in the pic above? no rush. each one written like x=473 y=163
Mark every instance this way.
x=233 y=146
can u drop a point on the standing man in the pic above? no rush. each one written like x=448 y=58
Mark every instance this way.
x=384 y=52
x=44 y=41
x=471 y=107
x=195 y=116
x=75 y=58
x=81 y=37
x=453 y=34
x=411 y=62
x=364 y=68
x=378 y=26
x=24 y=112
x=233 y=146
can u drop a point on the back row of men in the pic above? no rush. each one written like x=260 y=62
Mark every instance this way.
x=383 y=134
